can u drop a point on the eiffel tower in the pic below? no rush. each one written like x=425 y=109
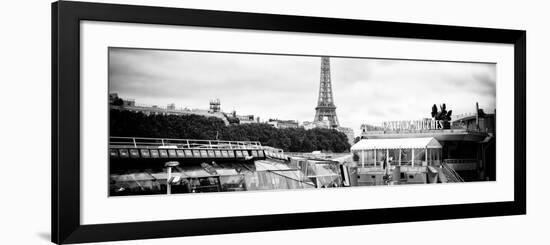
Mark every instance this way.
x=325 y=105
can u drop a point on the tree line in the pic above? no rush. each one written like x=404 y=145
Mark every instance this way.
x=136 y=124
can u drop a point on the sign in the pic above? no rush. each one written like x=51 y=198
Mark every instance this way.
x=426 y=124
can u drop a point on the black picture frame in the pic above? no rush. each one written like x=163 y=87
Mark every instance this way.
x=65 y=223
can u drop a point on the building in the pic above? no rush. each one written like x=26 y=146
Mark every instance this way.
x=398 y=161
x=112 y=98
x=171 y=106
x=325 y=123
x=467 y=147
x=368 y=127
x=117 y=103
x=283 y=123
x=475 y=122
x=215 y=105
x=349 y=134
x=308 y=125
x=247 y=119
x=128 y=102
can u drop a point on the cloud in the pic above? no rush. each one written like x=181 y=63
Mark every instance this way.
x=286 y=87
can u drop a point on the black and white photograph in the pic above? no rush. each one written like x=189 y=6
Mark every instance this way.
x=195 y=121
x=275 y=122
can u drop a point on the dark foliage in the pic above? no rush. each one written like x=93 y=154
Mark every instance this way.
x=118 y=102
x=442 y=115
x=132 y=124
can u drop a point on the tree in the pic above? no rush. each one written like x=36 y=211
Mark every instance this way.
x=136 y=124
x=434 y=111
x=118 y=102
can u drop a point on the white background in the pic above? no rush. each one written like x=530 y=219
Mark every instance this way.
x=25 y=123
x=97 y=208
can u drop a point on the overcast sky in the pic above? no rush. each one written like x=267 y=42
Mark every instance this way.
x=286 y=87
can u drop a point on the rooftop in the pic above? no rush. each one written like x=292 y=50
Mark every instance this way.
x=370 y=144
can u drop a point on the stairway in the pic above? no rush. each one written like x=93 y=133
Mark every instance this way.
x=449 y=175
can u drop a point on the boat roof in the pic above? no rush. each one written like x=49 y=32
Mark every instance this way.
x=399 y=143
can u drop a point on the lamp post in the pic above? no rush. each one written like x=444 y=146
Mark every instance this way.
x=169 y=165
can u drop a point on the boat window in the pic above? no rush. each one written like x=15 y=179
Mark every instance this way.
x=233 y=183
x=406 y=156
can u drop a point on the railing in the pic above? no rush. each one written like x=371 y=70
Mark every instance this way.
x=134 y=142
x=450 y=173
x=460 y=161
x=463 y=115
x=453 y=130
x=463 y=164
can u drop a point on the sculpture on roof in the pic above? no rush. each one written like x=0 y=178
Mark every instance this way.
x=442 y=115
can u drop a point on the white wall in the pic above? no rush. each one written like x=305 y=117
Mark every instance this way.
x=25 y=93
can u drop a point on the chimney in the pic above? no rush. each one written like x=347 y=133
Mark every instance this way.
x=477 y=116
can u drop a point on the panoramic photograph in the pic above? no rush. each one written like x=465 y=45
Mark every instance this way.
x=185 y=121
